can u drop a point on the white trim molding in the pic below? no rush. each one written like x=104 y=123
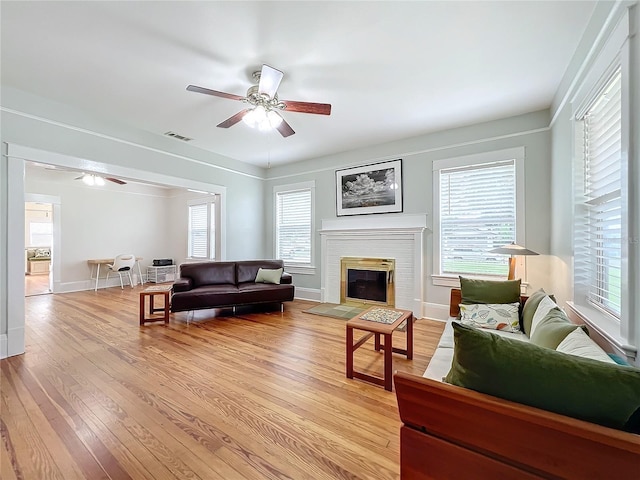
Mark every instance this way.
x=378 y=236
x=310 y=294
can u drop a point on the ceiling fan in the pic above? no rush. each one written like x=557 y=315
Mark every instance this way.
x=264 y=105
x=93 y=179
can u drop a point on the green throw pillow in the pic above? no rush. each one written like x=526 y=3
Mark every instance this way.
x=266 y=275
x=553 y=329
x=598 y=392
x=489 y=291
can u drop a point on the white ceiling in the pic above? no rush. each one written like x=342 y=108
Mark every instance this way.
x=391 y=70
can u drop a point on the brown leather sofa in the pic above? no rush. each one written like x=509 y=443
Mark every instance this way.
x=227 y=284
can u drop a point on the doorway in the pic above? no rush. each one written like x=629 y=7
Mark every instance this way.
x=38 y=248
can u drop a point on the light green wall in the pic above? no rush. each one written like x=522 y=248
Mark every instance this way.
x=418 y=154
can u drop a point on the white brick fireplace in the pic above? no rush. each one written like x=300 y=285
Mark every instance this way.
x=398 y=237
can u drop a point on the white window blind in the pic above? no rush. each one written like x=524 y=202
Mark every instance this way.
x=293 y=226
x=599 y=228
x=477 y=214
x=198 y=224
x=40 y=234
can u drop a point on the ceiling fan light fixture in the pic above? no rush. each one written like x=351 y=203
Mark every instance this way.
x=274 y=118
x=92 y=180
x=255 y=116
x=250 y=118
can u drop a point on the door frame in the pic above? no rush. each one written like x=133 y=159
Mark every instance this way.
x=56 y=250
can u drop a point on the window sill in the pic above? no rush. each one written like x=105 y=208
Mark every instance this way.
x=299 y=269
x=606 y=326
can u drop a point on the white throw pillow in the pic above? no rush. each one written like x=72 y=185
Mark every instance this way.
x=503 y=316
x=578 y=343
x=544 y=306
x=269 y=275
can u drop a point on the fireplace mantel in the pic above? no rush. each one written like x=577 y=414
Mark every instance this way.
x=374 y=223
x=384 y=236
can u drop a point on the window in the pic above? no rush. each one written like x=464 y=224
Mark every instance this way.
x=477 y=204
x=40 y=234
x=605 y=252
x=598 y=228
x=294 y=224
x=202 y=229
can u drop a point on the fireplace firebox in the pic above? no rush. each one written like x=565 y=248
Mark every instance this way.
x=367 y=281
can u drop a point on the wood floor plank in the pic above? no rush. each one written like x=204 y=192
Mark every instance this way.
x=259 y=395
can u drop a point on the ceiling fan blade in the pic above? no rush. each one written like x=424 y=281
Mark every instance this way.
x=231 y=121
x=116 y=180
x=307 y=107
x=215 y=93
x=270 y=79
x=285 y=129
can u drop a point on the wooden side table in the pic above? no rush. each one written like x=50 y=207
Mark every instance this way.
x=151 y=292
x=379 y=328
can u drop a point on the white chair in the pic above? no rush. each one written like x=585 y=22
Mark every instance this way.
x=122 y=265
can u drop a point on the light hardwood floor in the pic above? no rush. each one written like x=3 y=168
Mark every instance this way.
x=36 y=285
x=261 y=395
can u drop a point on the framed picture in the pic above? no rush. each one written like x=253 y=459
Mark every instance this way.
x=369 y=189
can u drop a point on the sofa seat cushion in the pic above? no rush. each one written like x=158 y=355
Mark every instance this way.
x=205 y=297
x=265 y=292
x=440 y=364
x=446 y=340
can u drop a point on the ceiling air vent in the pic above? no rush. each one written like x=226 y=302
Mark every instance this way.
x=178 y=136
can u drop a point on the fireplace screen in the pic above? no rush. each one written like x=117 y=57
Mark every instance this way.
x=367 y=285
x=367 y=281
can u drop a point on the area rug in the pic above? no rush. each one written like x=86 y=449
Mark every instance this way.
x=345 y=312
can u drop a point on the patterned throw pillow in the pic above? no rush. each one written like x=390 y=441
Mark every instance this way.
x=503 y=316
x=42 y=252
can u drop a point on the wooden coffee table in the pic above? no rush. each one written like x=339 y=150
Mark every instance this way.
x=151 y=292
x=379 y=328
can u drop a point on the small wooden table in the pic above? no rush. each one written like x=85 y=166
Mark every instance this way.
x=379 y=328
x=151 y=292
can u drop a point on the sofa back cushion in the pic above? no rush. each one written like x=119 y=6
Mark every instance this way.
x=247 y=270
x=209 y=273
x=489 y=291
x=553 y=328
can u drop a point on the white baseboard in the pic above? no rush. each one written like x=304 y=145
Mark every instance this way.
x=14 y=339
x=435 y=311
x=84 y=285
x=311 y=294
x=3 y=345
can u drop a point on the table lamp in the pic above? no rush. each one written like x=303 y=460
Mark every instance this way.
x=513 y=250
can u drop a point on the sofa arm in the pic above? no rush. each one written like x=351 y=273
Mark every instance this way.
x=286 y=278
x=182 y=285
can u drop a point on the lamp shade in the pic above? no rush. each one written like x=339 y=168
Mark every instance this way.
x=513 y=249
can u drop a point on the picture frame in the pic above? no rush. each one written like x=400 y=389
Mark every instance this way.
x=374 y=188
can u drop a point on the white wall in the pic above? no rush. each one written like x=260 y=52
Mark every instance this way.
x=418 y=154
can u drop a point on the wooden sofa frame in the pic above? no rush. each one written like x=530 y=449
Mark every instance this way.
x=451 y=432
